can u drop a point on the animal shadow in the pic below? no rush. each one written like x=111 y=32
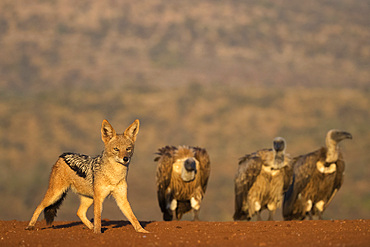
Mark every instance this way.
x=105 y=224
x=120 y=223
x=69 y=225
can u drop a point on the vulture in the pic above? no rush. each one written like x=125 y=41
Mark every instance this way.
x=181 y=179
x=261 y=180
x=317 y=176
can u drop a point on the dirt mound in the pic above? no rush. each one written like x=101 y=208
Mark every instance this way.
x=181 y=233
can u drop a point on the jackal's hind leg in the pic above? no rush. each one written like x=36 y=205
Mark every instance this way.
x=51 y=197
x=85 y=203
x=57 y=190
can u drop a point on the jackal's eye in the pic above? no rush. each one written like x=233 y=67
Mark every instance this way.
x=128 y=149
x=116 y=149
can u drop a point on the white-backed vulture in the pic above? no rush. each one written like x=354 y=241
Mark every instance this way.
x=317 y=176
x=261 y=180
x=181 y=178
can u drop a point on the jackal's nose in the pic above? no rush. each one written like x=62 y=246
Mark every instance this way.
x=126 y=159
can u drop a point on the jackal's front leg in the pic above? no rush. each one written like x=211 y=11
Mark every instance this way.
x=99 y=196
x=120 y=195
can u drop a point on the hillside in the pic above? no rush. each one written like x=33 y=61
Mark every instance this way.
x=62 y=43
x=227 y=76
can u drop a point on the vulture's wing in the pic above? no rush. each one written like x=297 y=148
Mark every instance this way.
x=287 y=172
x=340 y=172
x=338 y=181
x=265 y=153
x=249 y=168
x=163 y=175
x=204 y=166
x=303 y=168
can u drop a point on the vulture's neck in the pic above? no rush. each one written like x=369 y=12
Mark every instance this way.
x=333 y=150
x=279 y=158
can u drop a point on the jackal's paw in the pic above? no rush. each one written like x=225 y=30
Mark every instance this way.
x=30 y=228
x=88 y=226
x=97 y=230
x=142 y=230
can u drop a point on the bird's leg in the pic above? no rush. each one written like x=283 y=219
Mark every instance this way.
x=271 y=208
x=195 y=204
x=174 y=215
x=173 y=207
x=319 y=206
x=309 y=214
x=257 y=208
x=271 y=215
x=320 y=215
x=196 y=215
x=259 y=216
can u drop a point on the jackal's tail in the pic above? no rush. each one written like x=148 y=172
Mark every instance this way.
x=51 y=211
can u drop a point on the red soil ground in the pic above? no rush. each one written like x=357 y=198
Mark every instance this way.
x=187 y=233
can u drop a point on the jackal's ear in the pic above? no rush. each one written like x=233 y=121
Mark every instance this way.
x=107 y=131
x=132 y=130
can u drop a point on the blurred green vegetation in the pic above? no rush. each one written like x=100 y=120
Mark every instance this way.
x=225 y=75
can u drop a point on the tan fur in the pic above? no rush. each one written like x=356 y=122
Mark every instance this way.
x=108 y=176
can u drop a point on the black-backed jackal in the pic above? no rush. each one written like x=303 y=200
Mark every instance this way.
x=93 y=179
